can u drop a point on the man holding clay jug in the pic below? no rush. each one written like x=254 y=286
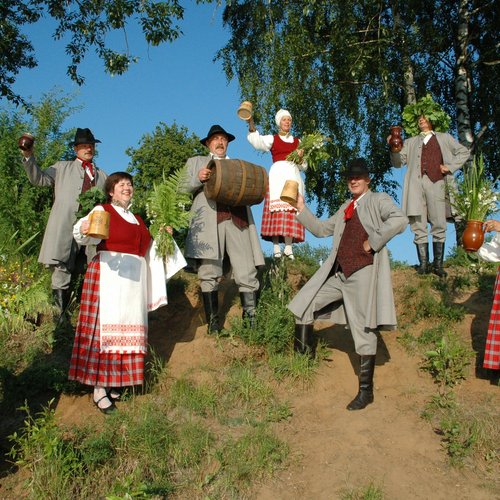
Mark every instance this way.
x=69 y=179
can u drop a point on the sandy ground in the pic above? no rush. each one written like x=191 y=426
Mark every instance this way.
x=333 y=450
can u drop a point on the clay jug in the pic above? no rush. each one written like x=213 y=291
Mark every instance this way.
x=473 y=235
x=396 y=141
x=26 y=141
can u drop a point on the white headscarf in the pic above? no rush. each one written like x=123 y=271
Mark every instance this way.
x=280 y=114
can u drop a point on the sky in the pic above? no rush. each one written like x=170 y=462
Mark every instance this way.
x=176 y=82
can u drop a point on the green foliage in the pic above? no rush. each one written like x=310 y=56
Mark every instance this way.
x=466 y=430
x=24 y=208
x=296 y=368
x=433 y=335
x=159 y=154
x=370 y=492
x=198 y=399
x=167 y=206
x=425 y=106
x=274 y=323
x=195 y=440
x=432 y=307
x=88 y=200
x=245 y=386
x=313 y=149
x=42 y=439
x=249 y=457
x=475 y=197
x=458 y=440
x=448 y=361
x=84 y=26
x=460 y=258
x=322 y=61
x=348 y=69
x=309 y=258
x=24 y=295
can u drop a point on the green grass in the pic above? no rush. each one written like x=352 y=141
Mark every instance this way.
x=370 y=492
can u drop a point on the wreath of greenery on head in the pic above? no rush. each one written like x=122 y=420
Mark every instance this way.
x=427 y=107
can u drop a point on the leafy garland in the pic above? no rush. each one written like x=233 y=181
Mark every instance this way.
x=88 y=200
x=427 y=107
x=167 y=206
x=313 y=146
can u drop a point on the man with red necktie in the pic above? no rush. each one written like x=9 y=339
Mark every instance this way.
x=354 y=284
x=69 y=179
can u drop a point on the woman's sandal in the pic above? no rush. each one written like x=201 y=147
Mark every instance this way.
x=108 y=409
x=113 y=395
x=277 y=255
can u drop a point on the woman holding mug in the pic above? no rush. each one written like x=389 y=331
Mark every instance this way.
x=278 y=217
x=123 y=282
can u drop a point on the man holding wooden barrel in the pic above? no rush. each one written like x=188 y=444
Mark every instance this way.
x=216 y=230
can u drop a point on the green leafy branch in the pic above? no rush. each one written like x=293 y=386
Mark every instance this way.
x=313 y=147
x=167 y=206
x=475 y=197
x=88 y=200
x=429 y=108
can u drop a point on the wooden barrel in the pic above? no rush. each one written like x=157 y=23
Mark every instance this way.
x=236 y=183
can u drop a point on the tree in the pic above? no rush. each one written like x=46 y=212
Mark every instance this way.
x=88 y=24
x=24 y=208
x=160 y=153
x=349 y=68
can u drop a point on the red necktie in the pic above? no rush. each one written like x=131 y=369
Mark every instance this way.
x=349 y=211
x=88 y=164
x=87 y=181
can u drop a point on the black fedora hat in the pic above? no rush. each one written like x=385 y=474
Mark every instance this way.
x=356 y=168
x=217 y=129
x=84 y=136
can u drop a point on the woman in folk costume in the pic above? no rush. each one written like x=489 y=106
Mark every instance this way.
x=490 y=252
x=278 y=217
x=123 y=282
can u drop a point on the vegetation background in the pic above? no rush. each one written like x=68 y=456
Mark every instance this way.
x=220 y=417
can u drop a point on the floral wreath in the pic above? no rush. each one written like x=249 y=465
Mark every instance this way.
x=427 y=107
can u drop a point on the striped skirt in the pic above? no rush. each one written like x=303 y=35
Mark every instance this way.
x=88 y=365
x=280 y=224
x=492 y=348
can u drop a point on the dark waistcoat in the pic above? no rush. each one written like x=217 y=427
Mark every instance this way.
x=351 y=256
x=431 y=159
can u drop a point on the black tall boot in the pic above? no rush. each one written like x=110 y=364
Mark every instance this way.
x=211 y=304
x=365 y=393
x=423 y=258
x=304 y=341
x=61 y=301
x=438 y=251
x=249 y=304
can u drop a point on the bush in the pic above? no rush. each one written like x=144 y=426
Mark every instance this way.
x=448 y=361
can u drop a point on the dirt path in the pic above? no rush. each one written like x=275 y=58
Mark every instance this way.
x=334 y=450
x=387 y=444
